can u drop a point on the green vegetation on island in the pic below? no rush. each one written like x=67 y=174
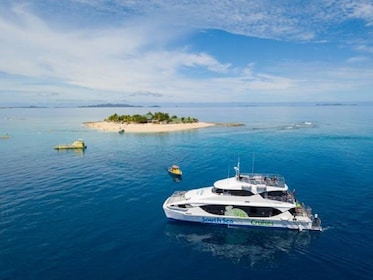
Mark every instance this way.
x=157 y=117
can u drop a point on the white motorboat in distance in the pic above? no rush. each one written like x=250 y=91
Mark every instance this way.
x=259 y=200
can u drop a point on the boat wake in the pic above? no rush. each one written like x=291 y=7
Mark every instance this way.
x=327 y=228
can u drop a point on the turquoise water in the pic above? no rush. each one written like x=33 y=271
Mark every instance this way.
x=98 y=214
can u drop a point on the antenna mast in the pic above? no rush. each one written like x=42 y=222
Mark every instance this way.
x=252 y=163
x=237 y=169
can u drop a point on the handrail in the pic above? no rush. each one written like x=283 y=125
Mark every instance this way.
x=275 y=180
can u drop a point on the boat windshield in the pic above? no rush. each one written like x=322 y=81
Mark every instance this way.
x=232 y=192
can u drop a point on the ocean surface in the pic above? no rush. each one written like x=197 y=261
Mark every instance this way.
x=98 y=214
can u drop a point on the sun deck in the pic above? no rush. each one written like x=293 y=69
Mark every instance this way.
x=273 y=180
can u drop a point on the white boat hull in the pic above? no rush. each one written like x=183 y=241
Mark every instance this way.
x=280 y=221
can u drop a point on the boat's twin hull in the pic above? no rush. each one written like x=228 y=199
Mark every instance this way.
x=238 y=221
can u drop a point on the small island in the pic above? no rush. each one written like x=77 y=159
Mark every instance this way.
x=148 y=123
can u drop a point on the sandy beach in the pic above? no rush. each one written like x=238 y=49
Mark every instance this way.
x=145 y=128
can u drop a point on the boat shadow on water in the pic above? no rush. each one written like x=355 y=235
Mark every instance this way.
x=73 y=151
x=251 y=247
x=176 y=179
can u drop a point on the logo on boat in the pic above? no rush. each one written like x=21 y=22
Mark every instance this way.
x=217 y=220
x=261 y=223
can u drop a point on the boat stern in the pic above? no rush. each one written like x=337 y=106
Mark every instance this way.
x=316 y=223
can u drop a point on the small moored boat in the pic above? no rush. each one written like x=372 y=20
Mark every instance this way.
x=175 y=170
x=76 y=145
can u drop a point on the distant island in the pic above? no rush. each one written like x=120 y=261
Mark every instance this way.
x=24 y=107
x=335 y=104
x=108 y=105
x=148 y=123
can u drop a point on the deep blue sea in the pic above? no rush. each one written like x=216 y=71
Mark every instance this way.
x=98 y=214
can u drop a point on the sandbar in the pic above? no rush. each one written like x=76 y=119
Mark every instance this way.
x=145 y=128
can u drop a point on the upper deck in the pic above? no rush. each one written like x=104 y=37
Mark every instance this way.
x=240 y=181
x=273 y=180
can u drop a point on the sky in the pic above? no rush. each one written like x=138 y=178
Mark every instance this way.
x=82 y=52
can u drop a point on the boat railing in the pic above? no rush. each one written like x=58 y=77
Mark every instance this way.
x=306 y=211
x=177 y=196
x=284 y=198
x=274 y=180
x=303 y=210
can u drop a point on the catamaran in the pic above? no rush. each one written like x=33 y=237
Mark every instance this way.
x=259 y=200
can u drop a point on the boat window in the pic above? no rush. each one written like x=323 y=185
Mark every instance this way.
x=184 y=205
x=240 y=192
x=232 y=192
x=214 y=209
x=278 y=195
x=216 y=190
x=249 y=210
x=263 y=211
x=292 y=211
x=273 y=193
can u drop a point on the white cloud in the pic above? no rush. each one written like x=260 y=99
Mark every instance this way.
x=365 y=48
x=357 y=59
x=137 y=54
x=362 y=10
x=117 y=59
